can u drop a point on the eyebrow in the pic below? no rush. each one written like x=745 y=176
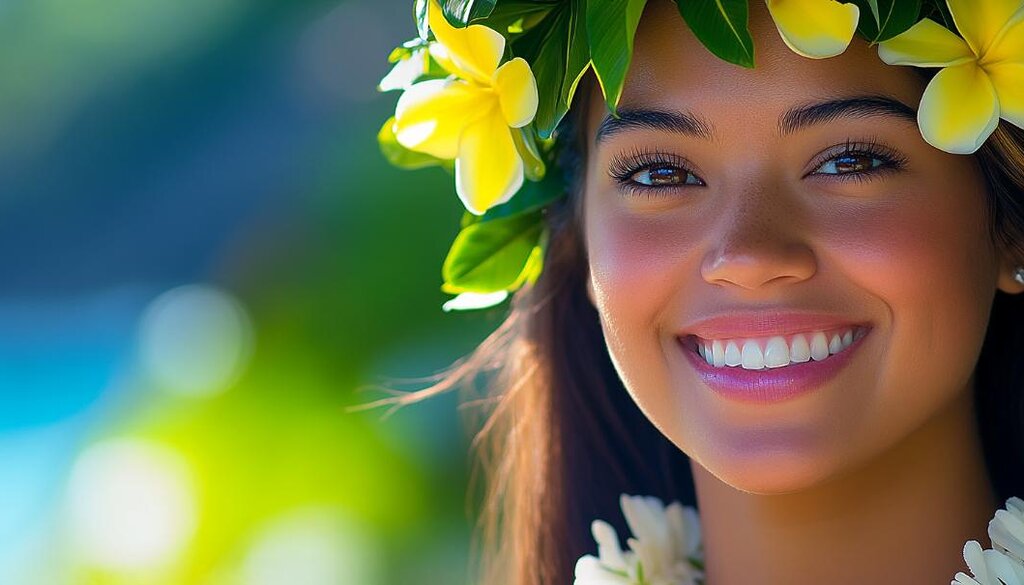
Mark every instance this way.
x=868 y=106
x=684 y=123
x=798 y=118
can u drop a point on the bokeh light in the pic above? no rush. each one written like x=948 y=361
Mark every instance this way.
x=313 y=546
x=195 y=340
x=131 y=505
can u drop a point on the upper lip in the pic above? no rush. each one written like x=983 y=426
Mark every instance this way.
x=765 y=323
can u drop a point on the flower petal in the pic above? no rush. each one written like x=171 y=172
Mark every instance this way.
x=959 y=109
x=517 y=92
x=475 y=50
x=926 y=44
x=645 y=516
x=488 y=171
x=469 y=301
x=676 y=519
x=815 y=28
x=589 y=571
x=1015 y=506
x=963 y=579
x=1008 y=47
x=1008 y=79
x=441 y=54
x=1002 y=567
x=608 y=548
x=1006 y=530
x=975 y=558
x=431 y=115
x=979 y=21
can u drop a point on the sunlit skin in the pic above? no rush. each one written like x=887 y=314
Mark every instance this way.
x=878 y=476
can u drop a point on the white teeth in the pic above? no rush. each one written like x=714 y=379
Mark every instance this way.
x=776 y=353
x=819 y=346
x=732 y=354
x=753 y=359
x=800 y=352
x=836 y=345
x=718 y=354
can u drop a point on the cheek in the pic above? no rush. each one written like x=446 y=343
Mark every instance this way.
x=642 y=268
x=638 y=266
x=929 y=261
x=922 y=260
x=635 y=275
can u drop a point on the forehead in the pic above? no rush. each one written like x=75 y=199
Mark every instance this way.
x=672 y=70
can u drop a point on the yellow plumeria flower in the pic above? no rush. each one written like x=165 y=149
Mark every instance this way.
x=471 y=117
x=815 y=28
x=982 y=78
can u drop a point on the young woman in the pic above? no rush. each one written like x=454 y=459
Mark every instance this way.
x=768 y=297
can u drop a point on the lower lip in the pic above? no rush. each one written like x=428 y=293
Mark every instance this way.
x=770 y=385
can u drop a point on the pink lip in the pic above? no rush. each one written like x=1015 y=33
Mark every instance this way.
x=767 y=386
x=764 y=323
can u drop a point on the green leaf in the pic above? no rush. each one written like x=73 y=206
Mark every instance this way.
x=534 y=263
x=526 y=145
x=559 y=55
x=938 y=11
x=520 y=15
x=880 y=20
x=611 y=27
x=722 y=26
x=460 y=13
x=873 y=6
x=494 y=255
x=401 y=156
x=532 y=196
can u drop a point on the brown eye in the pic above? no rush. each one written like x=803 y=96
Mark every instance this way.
x=658 y=176
x=850 y=162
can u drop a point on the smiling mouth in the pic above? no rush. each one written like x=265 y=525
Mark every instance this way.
x=778 y=351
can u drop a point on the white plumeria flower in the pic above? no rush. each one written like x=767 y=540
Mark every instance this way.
x=665 y=539
x=989 y=567
x=1006 y=529
x=1004 y=563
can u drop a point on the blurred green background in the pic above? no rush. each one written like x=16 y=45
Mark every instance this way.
x=205 y=257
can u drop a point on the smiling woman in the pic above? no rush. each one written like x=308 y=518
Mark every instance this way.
x=786 y=296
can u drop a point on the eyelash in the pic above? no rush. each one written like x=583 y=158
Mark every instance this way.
x=624 y=167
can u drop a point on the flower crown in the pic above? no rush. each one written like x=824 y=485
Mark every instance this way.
x=486 y=82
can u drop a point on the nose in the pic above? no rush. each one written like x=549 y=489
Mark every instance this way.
x=761 y=243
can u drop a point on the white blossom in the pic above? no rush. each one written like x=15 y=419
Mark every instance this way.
x=1003 y=564
x=663 y=550
x=666 y=548
x=1006 y=529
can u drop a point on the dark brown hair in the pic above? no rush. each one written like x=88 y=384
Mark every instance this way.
x=559 y=437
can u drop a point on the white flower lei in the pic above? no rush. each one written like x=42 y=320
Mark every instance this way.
x=667 y=549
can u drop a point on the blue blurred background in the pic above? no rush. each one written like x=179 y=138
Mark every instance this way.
x=204 y=258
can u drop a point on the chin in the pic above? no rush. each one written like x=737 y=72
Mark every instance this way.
x=768 y=469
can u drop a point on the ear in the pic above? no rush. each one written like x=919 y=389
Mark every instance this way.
x=1009 y=270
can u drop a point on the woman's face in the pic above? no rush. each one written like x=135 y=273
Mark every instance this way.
x=731 y=206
